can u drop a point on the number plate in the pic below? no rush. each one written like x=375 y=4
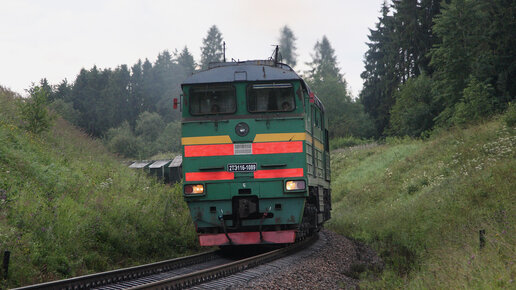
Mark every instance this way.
x=242 y=167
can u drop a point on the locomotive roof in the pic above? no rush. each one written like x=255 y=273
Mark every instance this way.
x=252 y=70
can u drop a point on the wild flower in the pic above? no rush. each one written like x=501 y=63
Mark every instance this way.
x=388 y=172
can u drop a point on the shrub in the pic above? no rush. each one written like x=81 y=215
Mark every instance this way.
x=342 y=142
x=170 y=139
x=121 y=140
x=66 y=110
x=412 y=113
x=510 y=115
x=149 y=126
x=34 y=112
x=476 y=103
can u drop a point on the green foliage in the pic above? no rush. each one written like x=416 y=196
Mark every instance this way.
x=211 y=50
x=65 y=110
x=412 y=114
x=149 y=126
x=422 y=203
x=34 y=111
x=121 y=140
x=287 y=46
x=186 y=60
x=345 y=117
x=324 y=62
x=170 y=139
x=461 y=28
x=68 y=208
x=100 y=99
x=343 y=142
x=510 y=115
x=476 y=103
x=150 y=137
x=398 y=50
x=453 y=44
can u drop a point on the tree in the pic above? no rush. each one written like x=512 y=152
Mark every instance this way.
x=149 y=126
x=121 y=140
x=380 y=79
x=345 y=117
x=34 y=112
x=170 y=138
x=211 y=51
x=398 y=50
x=287 y=46
x=463 y=49
x=186 y=60
x=413 y=112
x=137 y=94
x=477 y=103
x=63 y=91
x=324 y=62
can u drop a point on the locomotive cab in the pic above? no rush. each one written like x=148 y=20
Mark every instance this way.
x=249 y=159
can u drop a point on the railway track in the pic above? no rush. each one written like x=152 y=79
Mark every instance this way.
x=177 y=273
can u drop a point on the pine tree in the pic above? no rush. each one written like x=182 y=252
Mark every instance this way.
x=136 y=101
x=380 y=78
x=398 y=50
x=186 y=60
x=462 y=52
x=287 y=46
x=344 y=116
x=211 y=51
x=324 y=62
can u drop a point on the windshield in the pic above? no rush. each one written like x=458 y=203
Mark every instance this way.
x=212 y=99
x=270 y=98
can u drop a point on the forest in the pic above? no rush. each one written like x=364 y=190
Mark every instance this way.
x=430 y=64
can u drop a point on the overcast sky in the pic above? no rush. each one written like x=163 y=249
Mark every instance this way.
x=54 y=39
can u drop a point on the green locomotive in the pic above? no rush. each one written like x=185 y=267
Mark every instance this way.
x=256 y=163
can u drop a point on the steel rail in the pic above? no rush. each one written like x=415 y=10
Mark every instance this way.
x=199 y=277
x=120 y=275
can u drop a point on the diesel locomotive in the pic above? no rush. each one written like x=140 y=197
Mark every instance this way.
x=256 y=162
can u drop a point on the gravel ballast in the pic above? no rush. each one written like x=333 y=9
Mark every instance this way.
x=333 y=262
x=337 y=264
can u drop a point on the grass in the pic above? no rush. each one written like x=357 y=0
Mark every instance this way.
x=421 y=204
x=68 y=207
x=350 y=141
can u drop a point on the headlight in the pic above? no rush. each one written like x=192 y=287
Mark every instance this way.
x=295 y=185
x=194 y=189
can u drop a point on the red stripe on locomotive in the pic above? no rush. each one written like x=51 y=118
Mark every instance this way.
x=278 y=147
x=279 y=173
x=209 y=150
x=203 y=176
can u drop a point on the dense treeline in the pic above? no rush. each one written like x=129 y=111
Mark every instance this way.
x=130 y=107
x=439 y=63
x=104 y=99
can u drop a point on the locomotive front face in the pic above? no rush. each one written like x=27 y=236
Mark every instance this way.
x=245 y=160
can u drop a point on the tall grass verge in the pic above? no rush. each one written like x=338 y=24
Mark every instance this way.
x=68 y=207
x=421 y=204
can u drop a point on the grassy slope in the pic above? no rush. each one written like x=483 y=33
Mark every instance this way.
x=422 y=204
x=68 y=207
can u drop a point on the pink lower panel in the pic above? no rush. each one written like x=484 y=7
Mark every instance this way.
x=248 y=238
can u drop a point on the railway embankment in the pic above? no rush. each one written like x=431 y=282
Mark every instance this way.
x=440 y=212
x=69 y=208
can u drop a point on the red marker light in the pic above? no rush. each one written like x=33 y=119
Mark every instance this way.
x=176 y=102
x=188 y=189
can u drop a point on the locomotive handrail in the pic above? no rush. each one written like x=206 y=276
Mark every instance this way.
x=278 y=118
